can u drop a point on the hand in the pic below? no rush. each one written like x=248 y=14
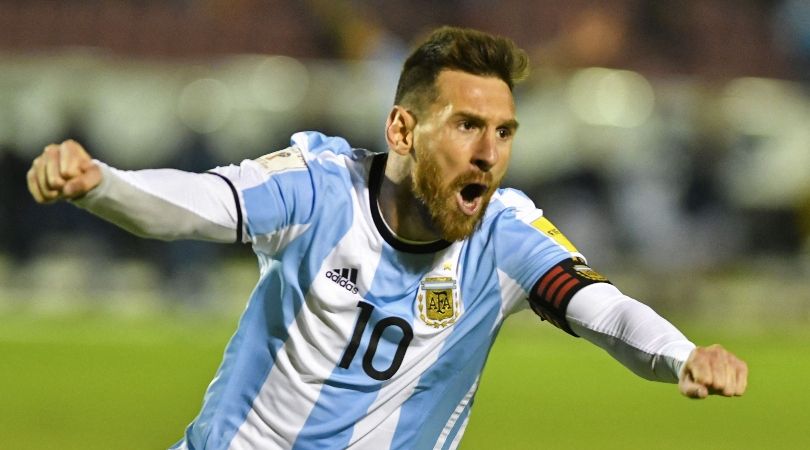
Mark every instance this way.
x=713 y=370
x=63 y=171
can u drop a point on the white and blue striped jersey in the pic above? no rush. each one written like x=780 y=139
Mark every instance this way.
x=353 y=338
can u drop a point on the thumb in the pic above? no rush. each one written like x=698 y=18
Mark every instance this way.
x=80 y=185
x=692 y=389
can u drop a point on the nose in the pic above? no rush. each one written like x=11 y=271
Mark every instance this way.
x=486 y=153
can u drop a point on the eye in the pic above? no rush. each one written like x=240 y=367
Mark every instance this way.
x=504 y=133
x=466 y=125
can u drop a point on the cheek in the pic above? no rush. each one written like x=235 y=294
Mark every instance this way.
x=503 y=161
x=443 y=151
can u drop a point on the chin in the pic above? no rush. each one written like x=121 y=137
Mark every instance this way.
x=457 y=226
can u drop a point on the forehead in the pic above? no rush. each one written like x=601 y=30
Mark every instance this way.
x=486 y=96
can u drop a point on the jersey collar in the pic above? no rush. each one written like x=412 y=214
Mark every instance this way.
x=376 y=174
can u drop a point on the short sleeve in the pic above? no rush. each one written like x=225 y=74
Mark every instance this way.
x=272 y=192
x=527 y=243
x=539 y=257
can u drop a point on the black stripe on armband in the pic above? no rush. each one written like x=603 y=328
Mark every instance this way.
x=551 y=294
x=238 y=206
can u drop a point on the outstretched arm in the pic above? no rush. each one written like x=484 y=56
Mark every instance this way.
x=652 y=347
x=164 y=203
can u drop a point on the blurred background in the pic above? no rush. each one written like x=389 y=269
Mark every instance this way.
x=670 y=141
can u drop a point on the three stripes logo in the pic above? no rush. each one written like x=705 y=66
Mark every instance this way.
x=345 y=278
x=555 y=285
x=554 y=290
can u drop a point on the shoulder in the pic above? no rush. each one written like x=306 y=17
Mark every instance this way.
x=310 y=154
x=512 y=203
x=513 y=214
x=319 y=148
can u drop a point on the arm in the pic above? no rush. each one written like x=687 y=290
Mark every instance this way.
x=652 y=347
x=165 y=204
x=630 y=331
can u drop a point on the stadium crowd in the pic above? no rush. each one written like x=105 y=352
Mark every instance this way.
x=701 y=164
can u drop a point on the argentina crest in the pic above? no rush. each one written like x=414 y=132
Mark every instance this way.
x=438 y=301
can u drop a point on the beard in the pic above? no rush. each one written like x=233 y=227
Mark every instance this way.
x=440 y=199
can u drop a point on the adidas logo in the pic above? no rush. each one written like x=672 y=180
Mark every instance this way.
x=345 y=278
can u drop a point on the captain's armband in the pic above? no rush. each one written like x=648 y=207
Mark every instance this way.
x=551 y=294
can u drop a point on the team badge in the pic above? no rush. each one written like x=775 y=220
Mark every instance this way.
x=587 y=272
x=438 y=302
x=288 y=159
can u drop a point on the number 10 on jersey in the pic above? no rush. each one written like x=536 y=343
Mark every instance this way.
x=376 y=334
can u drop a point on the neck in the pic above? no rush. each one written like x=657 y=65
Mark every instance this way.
x=404 y=214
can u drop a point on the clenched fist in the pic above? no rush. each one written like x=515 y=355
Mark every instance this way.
x=713 y=370
x=63 y=171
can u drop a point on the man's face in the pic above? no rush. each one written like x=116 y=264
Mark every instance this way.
x=462 y=147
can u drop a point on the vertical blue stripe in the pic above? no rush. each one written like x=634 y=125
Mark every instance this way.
x=442 y=387
x=348 y=393
x=273 y=306
x=248 y=359
x=284 y=199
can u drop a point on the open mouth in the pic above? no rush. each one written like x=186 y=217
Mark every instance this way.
x=470 y=198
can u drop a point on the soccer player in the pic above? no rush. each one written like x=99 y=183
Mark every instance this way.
x=384 y=277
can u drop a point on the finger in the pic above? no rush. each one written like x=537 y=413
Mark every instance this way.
x=742 y=378
x=71 y=156
x=719 y=365
x=53 y=178
x=730 y=388
x=84 y=183
x=87 y=164
x=40 y=176
x=691 y=389
x=699 y=367
x=33 y=186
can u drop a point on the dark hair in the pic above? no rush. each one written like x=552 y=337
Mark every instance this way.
x=461 y=49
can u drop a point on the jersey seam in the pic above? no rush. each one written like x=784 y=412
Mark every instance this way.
x=239 y=234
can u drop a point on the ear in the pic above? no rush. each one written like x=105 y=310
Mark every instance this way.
x=399 y=130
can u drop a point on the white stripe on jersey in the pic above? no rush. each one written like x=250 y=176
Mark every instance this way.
x=463 y=405
x=513 y=297
x=460 y=434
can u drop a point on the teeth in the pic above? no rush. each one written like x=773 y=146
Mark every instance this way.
x=468 y=207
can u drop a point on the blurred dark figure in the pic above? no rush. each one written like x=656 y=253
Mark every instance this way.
x=792 y=32
x=16 y=231
x=185 y=265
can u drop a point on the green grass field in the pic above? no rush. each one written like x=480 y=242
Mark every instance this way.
x=89 y=382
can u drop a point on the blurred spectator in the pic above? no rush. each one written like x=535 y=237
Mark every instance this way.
x=16 y=232
x=634 y=186
x=791 y=26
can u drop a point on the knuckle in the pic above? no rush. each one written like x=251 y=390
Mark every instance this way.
x=49 y=195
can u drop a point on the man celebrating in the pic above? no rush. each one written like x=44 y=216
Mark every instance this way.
x=384 y=277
